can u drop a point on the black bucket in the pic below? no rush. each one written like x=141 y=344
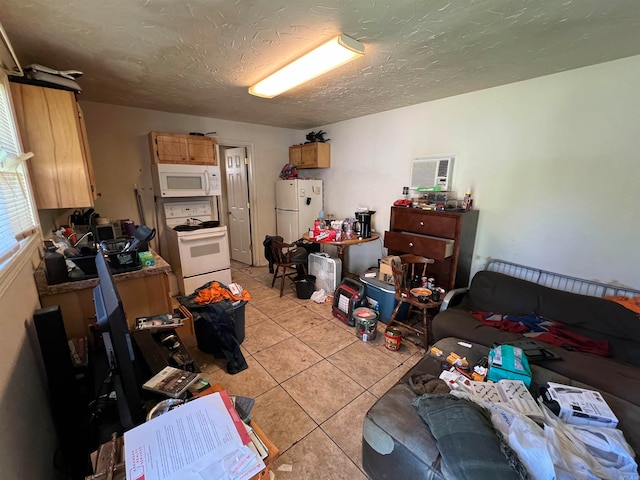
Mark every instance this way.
x=305 y=286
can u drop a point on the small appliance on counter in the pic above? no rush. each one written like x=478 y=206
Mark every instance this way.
x=363 y=223
x=104 y=230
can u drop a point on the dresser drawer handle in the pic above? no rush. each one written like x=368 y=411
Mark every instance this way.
x=422 y=224
x=411 y=244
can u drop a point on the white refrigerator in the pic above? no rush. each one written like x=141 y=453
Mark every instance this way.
x=298 y=204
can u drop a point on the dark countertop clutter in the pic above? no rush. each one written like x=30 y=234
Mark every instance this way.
x=161 y=266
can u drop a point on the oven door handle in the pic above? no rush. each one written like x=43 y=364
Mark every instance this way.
x=205 y=236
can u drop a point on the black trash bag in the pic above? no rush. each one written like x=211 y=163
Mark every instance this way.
x=214 y=325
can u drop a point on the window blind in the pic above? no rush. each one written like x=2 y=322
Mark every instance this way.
x=17 y=220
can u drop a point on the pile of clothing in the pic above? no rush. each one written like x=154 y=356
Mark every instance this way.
x=212 y=307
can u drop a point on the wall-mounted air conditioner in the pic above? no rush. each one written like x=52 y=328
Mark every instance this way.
x=432 y=172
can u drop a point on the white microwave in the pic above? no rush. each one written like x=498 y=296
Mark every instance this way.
x=181 y=180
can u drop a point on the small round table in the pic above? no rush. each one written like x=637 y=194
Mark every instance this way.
x=342 y=245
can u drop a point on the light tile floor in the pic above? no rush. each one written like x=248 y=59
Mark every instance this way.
x=312 y=378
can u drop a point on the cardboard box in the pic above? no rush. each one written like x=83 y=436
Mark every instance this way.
x=385 y=274
x=579 y=406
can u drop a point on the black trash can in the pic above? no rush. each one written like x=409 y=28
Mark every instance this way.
x=305 y=286
x=209 y=333
x=238 y=316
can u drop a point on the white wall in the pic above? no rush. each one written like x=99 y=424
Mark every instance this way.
x=27 y=438
x=118 y=139
x=552 y=163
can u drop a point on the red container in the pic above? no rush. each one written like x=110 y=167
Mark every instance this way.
x=392 y=339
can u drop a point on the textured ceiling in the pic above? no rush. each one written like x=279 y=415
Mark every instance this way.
x=199 y=57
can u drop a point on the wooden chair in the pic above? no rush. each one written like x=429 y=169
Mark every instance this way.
x=410 y=268
x=287 y=256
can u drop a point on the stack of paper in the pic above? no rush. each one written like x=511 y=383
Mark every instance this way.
x=202 y=439
x=512 y=392
x=257 y=445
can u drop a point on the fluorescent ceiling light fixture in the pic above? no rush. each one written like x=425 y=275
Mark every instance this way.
x=335 y=52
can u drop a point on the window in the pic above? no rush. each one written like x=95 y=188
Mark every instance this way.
x=17 y=220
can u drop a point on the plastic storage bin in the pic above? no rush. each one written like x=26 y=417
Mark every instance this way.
x=238 y=314
x=206 y=338
x=382 y=295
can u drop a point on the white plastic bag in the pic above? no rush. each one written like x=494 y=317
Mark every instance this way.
x=319 y=296
x=587 y=452
x=522 y=434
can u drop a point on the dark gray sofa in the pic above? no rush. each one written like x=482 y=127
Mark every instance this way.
x=396 y=443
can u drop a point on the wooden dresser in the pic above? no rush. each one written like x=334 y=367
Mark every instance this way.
x=447 y=237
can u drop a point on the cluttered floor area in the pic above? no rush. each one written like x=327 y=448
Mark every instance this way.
x=312 y=378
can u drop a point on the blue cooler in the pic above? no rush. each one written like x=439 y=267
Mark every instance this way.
x=382 y=295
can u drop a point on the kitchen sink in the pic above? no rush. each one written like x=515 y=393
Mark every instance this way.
x=85 y=263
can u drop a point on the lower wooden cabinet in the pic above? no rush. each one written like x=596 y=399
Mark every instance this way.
x=141 y=296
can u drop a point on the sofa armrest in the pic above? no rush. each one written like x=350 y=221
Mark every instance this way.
x=453 y=298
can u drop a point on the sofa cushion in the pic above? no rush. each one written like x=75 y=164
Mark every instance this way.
x=593 y=317
x=496 y=292
x=596 y=318
x=619 y=378
x=466 y=439
x=456 y=322
x=396 y=442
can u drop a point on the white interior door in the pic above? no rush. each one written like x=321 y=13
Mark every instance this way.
x=238 y=204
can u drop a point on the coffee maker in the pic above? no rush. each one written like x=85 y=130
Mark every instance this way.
x=363 y=227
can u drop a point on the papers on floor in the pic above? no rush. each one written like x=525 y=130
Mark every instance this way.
x=202 y=439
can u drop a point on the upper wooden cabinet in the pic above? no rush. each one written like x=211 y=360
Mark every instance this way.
x=52 y=127
x=310 y=155
x=179 y=148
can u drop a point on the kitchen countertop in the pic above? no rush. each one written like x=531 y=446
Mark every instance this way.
x=44 y=288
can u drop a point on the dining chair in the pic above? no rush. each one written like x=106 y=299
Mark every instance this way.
x=287 y=256
x=407 y=269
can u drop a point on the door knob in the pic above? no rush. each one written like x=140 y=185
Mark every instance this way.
x=411 y=244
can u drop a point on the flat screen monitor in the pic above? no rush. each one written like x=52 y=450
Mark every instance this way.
x=112 y=322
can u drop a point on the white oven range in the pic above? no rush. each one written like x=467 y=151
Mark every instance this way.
x=198 y=245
